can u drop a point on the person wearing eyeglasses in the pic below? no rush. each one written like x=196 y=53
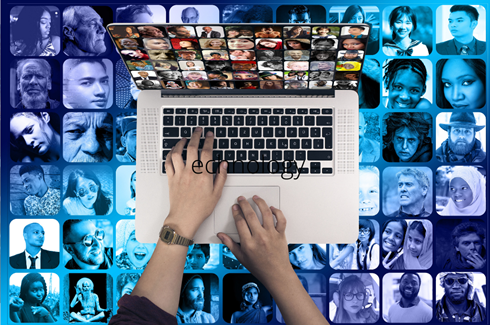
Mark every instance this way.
x=410 y=308
x=85 y=243
x=459 y=304
x=84 y=194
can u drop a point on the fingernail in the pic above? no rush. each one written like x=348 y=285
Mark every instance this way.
x=272 y=208
x=224 y=164
x=209 y=133
x=241 y=198
x=235 y=207
x=198 y=128
x=256 y=197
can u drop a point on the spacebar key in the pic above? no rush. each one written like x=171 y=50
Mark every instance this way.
x=319 y=155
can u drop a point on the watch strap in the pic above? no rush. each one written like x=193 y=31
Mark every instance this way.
x=176 y=238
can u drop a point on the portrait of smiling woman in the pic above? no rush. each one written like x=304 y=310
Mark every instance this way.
x=461 y=83
x=85 y=193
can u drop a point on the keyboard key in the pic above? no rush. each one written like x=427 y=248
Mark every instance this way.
x=167 y=111
x=290 y=110
x=319 y=155
x=317 y=143
x=229 y=111
x=180 y=111
x=265 y=111
x=253 y=155
x=247 y=143
x=259 y=143
x=215 y=120
x=217 y=154
x=165 y=153
x=288 y=155
x=208 y=129
x=327 y=135
x=205 y=111
x=304 y=132
x=220 y=132
x=309 y=120
x=286 y=120
x=265 y=155
x=235 y=143
x=171 y=132
x=305 y=170
x=241 y=155
x=315 y=167
x=224 y=143
x=280 y=132
x=298 y=120
x=327 y=170
x=250 y=120
x=244 y=132
x=278 y=111
x=191 y=120
x=226 y=120
x=193 y=111
x=300 y=155
x=268 y=132
x=168 y=120
x=203 y=120
x=238 y=120
x=315 y=132
x=294 y=144
x=256 y=132
x=273 y=120
x=292 y=132
x=302 y=111
x=169 y=143
x=306 y=144
x=323 y=120
x=271 y=144
x=276 y=155
x=262 y=120
x=314 y=111
x=232 y=132
x=229 y=155
x=185 y=132
x=282 y=143
x=241 y=111
x=253 y=111
x=218 y=111
x=327 y=111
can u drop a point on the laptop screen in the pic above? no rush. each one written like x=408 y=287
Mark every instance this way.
x=258 y=59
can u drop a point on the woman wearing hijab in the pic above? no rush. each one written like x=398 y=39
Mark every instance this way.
x=418 y=245
x=467 y=192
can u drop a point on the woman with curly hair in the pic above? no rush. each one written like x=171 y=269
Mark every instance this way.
x=84 y=195
x=213 y=44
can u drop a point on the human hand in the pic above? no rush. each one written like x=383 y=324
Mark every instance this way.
x=372 y=20
x=193 y=193
x=39 y=311
x=15 y=303
x=476 y=261
x=262 y=249
x=389 y=264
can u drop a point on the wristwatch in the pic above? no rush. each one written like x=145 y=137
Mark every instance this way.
x=169 y=236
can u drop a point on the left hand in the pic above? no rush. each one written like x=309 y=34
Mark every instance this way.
x=39 y=311
x=193 y=193
x=476 y=261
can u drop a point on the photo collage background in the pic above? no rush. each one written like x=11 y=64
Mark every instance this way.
x=71 y=169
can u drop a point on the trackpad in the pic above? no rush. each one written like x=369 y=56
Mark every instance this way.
x=223 y=217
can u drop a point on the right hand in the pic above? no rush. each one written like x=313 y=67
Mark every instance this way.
x=16 y=303
x=389 y=264
x=262 y=249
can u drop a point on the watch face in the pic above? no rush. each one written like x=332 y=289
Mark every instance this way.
x=167 y=235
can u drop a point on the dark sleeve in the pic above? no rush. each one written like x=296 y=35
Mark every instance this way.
x=134 y=310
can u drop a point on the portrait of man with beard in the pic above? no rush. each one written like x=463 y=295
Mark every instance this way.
x=410 y=308
x=461 y=144
x=33 y=84
x=192 y=301
x=85 y=243
x=87 y=137
x=459 y=302
x=85 y=306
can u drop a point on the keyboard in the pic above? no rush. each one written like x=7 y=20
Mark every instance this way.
x=258 y=140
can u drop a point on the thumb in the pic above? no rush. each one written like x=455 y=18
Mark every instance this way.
x=230 y=243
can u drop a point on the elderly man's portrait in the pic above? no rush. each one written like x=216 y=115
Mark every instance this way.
x=34 y=244
x=407 y=137
x=407 y=192
x=35 y=190
x=34 y=297
x=199 y=299
x=463 y=191
x=35 y=137
x=87 y=190
x=87 y=244
x=126 y=194
x=87 y=83
x=461 y=297
x=34 y=84
x=354 y=298
x=315 y=285
x=211 y=31
x=460 y=137
x=84 y=31
x=463 y=29
x=460 y=83
x=194 y=14
x=87 y=137
x=126 y=137
x=300 y=14
x=88 y=298
x=232 y=14
x=461 y=244
x=369 y=190
x=407 y=297
x=34 y=31
x=148 y=14
x=369 y=137
x=131 y=254
x=245 y=300
x=202 y=257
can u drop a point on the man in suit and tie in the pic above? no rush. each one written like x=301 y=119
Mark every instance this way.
x=34 y=257
x=209 y=33
x=463 y=20
x=143 y=75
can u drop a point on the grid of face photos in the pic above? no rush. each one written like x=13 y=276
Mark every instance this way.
x=70 y=206
x=242 y=57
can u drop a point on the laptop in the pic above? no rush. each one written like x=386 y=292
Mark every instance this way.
x=281 y=100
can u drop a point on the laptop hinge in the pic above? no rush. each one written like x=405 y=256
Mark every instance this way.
x=249 y=96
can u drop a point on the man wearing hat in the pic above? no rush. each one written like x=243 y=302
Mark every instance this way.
x=459 y=303
x=128 y=139
x=192 y=301
x=461 y=144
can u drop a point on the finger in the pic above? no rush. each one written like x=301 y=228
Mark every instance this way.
x=220 y=180
x=177 y=161
x=169 y=169
x=250 y=216
x=193 y=146
x=267 y=217
x=207 y=151
x=230 y=243
x=281 y=220
x=387 y=256
x=240 y=223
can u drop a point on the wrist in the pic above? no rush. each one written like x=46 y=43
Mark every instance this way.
x=183 y=230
